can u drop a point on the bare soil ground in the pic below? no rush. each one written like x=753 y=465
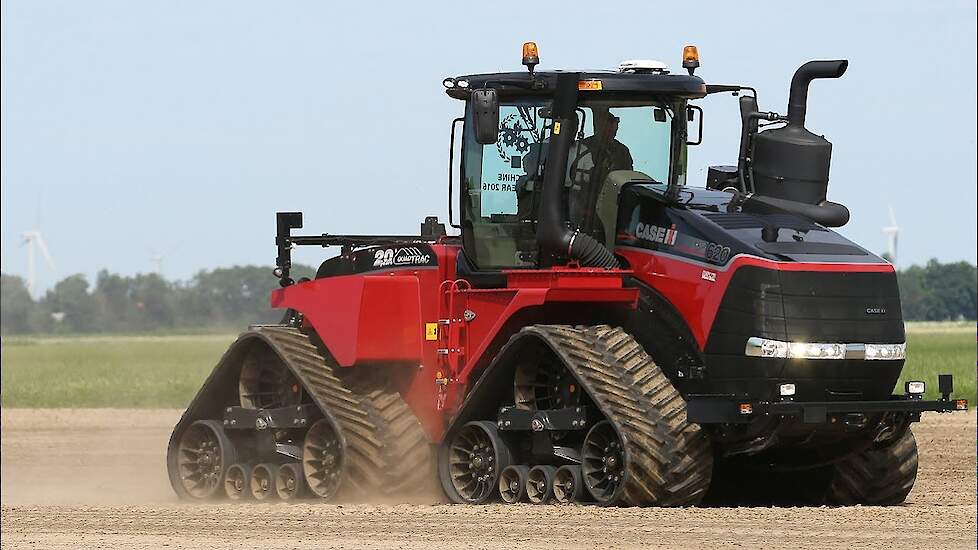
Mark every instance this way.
x=95 y=479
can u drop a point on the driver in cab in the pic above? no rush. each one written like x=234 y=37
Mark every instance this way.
x=596 y=157
x=600 y=154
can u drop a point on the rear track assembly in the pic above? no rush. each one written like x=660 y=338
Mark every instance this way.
x=366 y=442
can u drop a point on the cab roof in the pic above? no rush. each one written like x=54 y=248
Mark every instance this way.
x=611 y=82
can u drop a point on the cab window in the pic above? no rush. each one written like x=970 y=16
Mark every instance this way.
x=497 y=196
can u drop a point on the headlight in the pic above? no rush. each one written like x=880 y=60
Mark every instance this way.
x=802 y=350
x=886 y=351
x=762 y=347
x=766 y=347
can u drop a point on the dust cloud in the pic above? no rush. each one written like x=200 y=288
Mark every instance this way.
x=97 y=478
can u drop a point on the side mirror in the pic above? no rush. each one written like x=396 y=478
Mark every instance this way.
x=694 y=113
x=485 y=115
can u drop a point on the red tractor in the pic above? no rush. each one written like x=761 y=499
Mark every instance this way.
x=598 y=331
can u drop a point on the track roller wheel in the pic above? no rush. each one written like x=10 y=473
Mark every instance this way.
x=471 y=463
x=263 y=481
x=512 y=483
x=879 y=476
x=237 y=482
x=322 y=459
x=602 y=463
x=568 y=485
x=202 y=456
x=540 y=484
x=289 y=481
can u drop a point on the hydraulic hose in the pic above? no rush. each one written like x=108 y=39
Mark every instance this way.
x=589 y=252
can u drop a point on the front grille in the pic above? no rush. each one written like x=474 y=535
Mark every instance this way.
x=806 y=306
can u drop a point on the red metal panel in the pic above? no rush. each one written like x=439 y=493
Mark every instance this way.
x=361 y=318
x=558 y=277
x=493 y=308
x=390 y=320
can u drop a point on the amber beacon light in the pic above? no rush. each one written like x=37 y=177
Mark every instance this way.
x=531 y=56
x=691 y=59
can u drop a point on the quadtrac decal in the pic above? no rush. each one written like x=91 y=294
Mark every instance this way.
x=387 y=257
x=406 y=256
x=662 y=237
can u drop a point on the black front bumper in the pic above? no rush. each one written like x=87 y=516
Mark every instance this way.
x=733 y=409
x=728 y=410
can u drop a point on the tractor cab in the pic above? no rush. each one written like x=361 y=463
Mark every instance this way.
x=582 y=134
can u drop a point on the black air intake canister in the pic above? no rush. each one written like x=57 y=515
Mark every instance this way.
x=791 y=162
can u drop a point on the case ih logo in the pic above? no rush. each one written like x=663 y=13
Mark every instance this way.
x=410 y=255
x=656 y=234
x=876 y=310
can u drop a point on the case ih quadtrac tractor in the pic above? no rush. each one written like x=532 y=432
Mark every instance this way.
x=598 y=331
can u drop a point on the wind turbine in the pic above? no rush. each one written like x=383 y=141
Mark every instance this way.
x=33 y=239
x=892 y=233
x=157 y=259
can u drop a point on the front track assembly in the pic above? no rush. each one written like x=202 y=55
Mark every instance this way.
x=276 y=420
x=597 y=417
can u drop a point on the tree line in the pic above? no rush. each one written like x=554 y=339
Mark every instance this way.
x=231 y=298
x=220 y=299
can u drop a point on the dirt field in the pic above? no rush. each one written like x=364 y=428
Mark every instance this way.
x=95 y=479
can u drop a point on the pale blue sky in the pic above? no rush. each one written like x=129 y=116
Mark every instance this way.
x=184 y=126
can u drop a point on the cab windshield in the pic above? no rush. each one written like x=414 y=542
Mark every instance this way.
x=625 y=140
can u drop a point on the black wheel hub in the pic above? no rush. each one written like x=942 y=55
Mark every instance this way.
x=481 y=461
x=208 y=461
x=612 y=460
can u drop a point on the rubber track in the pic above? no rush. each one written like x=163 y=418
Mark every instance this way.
x=406 y=455
x=387 y=449
x=668 y=461
x=882 y=476
x=364 y=446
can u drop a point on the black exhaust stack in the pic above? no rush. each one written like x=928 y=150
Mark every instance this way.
x=791 y=163
x=556 y=239
x=798 y=98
